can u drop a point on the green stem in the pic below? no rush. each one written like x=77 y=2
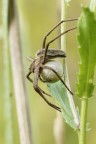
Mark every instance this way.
x=63 y=26
x=63 y=47
x=82 y=134
x=8 y=128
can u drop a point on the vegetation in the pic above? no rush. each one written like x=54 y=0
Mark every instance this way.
x=24 y=116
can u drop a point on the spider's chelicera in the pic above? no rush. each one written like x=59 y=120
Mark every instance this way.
x=44 y=56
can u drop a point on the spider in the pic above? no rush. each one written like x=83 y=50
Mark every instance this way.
x=42 y=57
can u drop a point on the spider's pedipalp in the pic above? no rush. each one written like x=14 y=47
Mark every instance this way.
x=30 y=58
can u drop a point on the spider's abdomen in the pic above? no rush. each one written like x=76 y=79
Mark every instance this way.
x=50 y=76
x=52 y=53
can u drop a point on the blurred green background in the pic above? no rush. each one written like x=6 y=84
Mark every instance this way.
x=36 y=19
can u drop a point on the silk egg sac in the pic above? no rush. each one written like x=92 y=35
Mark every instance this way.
x=48 y=75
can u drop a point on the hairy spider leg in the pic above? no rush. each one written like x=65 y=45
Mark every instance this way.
x=47 y=67
x=28 y=77
x=47 y=45
x=44 y=40
x=38 y=90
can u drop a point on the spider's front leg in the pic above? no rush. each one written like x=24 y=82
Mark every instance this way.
x=28 y=77
x=39 y=91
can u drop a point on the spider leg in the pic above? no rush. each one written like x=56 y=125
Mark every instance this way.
x=47 y=67
x=49 y=103
x=32 y=82
x=44 y=92
x=44 y=40
x=46 y=48
x=27 y=76
x=38 y=90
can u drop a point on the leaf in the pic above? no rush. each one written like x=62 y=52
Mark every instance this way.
x=58 y=91
x=87 y=52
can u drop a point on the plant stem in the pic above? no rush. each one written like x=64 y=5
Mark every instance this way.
x=8 y=128
x=82 y=134
x=63 y=26
x=59 y=126
x=18 y=76
x=63 y=47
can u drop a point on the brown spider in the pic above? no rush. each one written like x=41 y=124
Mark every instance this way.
x=42 y=57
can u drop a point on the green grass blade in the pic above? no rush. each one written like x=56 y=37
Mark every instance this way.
x=87 y=51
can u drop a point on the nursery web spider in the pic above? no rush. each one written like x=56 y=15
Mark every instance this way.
x=43 y=56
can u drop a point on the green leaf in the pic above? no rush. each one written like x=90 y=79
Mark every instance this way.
x=58 y=91
x=87 y=52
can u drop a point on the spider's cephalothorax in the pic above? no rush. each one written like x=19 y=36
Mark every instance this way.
x=44 y=65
